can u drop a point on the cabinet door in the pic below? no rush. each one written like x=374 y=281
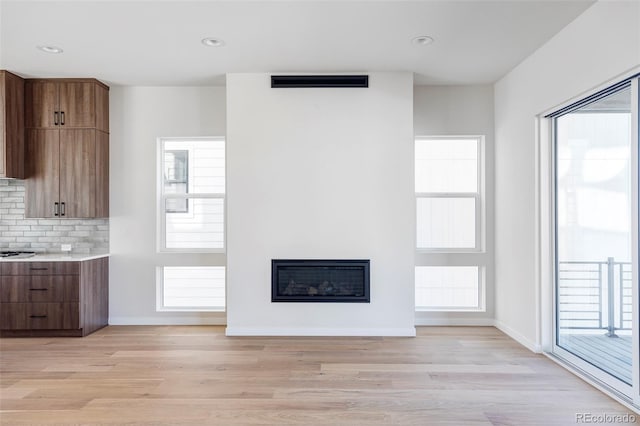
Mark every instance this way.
x=102 y=108
x=41 y=104
x=39 y=268
x=14 y=316
x=14 y=289
x=3 y=125
x=78 y=173
x=40 y=316
x=43 y=172
x=54 y=288
x=102 y=174
x=11 y=126
x=39 y=288
x=77 y=105
x=53 y=316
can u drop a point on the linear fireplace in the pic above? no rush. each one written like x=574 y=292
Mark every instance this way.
x=310 y=280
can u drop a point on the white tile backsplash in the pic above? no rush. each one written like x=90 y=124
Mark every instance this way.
x=45 y=235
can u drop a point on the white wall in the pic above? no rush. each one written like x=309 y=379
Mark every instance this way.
x=320 y=173
x=461 y=110
x=599 y=45
x=139 y=115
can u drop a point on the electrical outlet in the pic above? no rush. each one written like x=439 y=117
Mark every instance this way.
x=65 y=247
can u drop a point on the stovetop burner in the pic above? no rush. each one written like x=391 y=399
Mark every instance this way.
x=17 y=254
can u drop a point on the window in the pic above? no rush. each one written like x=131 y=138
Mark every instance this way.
x=192 y=191
x=448 y=288
x=448 y=193
x=191 y=288
x=191 y=219
x=449 y=187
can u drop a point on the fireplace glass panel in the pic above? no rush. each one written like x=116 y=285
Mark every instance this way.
x=320 y=280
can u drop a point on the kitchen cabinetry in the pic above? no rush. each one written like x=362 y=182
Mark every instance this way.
x=67 y=103
x=11 y=125
x=54 y=298
x=67 y=151
x=68 y=173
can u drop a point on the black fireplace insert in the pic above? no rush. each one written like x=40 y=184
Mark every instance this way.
x=311 y=280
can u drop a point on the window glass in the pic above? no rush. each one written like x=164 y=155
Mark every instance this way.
x=446 y=223
x=447 y=287
x=195 y=287
x=200 y=225
x=192 y=207
x=446 y=165
x=447 y=186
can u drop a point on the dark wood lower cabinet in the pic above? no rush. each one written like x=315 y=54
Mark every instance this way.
x=54 y=298
x=40 y=316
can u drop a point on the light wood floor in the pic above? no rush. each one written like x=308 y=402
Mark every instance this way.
x=195 y=375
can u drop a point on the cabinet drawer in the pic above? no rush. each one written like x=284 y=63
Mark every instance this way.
x=39 y=268
x=39 y=316
x=40 y=288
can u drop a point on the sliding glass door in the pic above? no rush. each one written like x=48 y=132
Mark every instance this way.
x=596 y=177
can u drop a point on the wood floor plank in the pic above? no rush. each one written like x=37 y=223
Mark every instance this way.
x=181 y=375
x=429 y=368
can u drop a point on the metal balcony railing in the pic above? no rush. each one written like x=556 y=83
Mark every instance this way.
x=594 y=295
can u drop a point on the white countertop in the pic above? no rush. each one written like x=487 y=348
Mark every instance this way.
x=56 y=257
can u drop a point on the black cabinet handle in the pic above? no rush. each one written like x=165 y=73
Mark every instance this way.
x=56 y=209
x=55 y=118
x=62 y=115
x=37 y=316
x=63 y=209
x=38 y=269
x=38 y=289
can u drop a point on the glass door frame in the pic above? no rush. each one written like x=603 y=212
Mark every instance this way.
x=635 y=230
x=549 y=338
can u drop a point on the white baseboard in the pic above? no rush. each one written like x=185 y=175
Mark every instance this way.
x=278 y=331
x=518 y=337
x=173 y=320
x=447 y=322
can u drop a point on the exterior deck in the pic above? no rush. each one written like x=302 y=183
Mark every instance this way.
x=613 y=354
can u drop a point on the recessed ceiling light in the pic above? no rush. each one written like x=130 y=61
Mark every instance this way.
x=49 y=49
x=213 y=42
x=422 y=40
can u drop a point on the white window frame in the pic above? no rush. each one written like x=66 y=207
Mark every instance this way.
x=459 y=256
x=478 y=196
x=162 y=197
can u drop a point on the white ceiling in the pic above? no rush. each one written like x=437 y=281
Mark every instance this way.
x=158 y=42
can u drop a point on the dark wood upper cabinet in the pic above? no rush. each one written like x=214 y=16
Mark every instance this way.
x=102 y=174
x=11 y=126
x=68 y=173
x=78 y=173
x=78 y=104
x=42 y=192
x=67 y=103
x=42 y=104
x=67 y=148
